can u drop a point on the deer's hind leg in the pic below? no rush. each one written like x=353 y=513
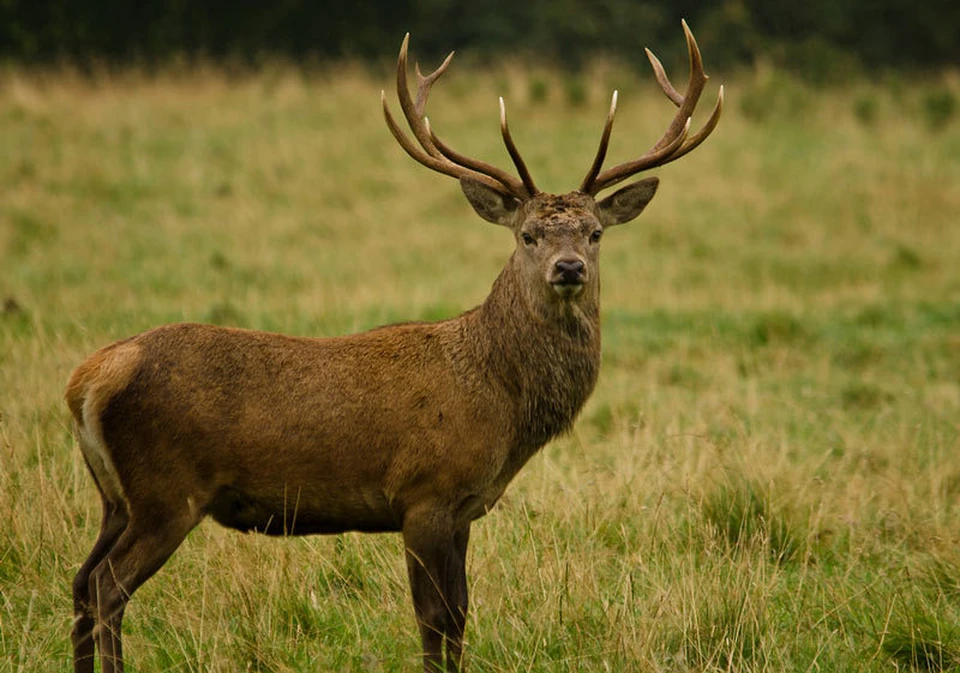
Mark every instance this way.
x=151 y=535
x=114 y=522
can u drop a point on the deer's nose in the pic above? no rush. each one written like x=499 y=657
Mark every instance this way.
x=569 y=270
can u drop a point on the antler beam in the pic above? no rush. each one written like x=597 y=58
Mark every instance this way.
x=675 y=141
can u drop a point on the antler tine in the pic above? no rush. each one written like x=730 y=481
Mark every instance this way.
x=429 y=152
x=514 y=154
x=469 y=162
x=675 y=142
x=694 y=141
x=602 y=150
x=696 y=65
x=424 y=83
x=688 y=101
x=409 y=108
x=662 y=78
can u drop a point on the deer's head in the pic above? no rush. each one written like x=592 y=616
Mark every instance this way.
x=557 y=236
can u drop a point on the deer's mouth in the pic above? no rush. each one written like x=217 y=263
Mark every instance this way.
x=567 y=288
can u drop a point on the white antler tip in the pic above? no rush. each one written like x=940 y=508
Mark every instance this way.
x=613 y=102
x=503 y=111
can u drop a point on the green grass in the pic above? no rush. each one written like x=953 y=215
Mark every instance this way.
x=766 y=478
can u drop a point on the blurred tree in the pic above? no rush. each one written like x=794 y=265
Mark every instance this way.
x=821 y=39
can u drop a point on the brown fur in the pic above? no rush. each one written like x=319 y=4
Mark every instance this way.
x=414 y=427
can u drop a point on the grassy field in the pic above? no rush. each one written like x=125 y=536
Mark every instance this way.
x=766 y=479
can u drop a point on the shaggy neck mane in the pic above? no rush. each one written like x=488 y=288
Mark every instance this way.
x=546 y=354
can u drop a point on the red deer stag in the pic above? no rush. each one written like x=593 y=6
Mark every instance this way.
x=416 y=428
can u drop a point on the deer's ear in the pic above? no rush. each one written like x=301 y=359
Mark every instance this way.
x=626 y=203
x=490 y=204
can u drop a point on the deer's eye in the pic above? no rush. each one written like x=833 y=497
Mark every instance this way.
x=528 y=239
x=595 y=236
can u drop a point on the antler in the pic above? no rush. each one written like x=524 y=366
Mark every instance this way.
x=675 y=142
x=436 y=155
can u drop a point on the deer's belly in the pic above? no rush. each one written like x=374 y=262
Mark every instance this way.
x=295 y=514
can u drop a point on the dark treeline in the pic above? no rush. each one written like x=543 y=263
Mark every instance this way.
x=814 y=37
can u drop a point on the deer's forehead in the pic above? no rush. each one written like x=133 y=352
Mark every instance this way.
x=573 y=212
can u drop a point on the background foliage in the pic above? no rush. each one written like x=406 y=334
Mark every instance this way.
x=820 y=38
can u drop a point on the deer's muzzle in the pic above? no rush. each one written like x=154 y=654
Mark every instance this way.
x=568 y=276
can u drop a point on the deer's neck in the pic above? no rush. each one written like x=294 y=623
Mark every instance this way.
x=545 y=353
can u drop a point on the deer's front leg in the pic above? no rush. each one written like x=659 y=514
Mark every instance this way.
x=436 y=562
